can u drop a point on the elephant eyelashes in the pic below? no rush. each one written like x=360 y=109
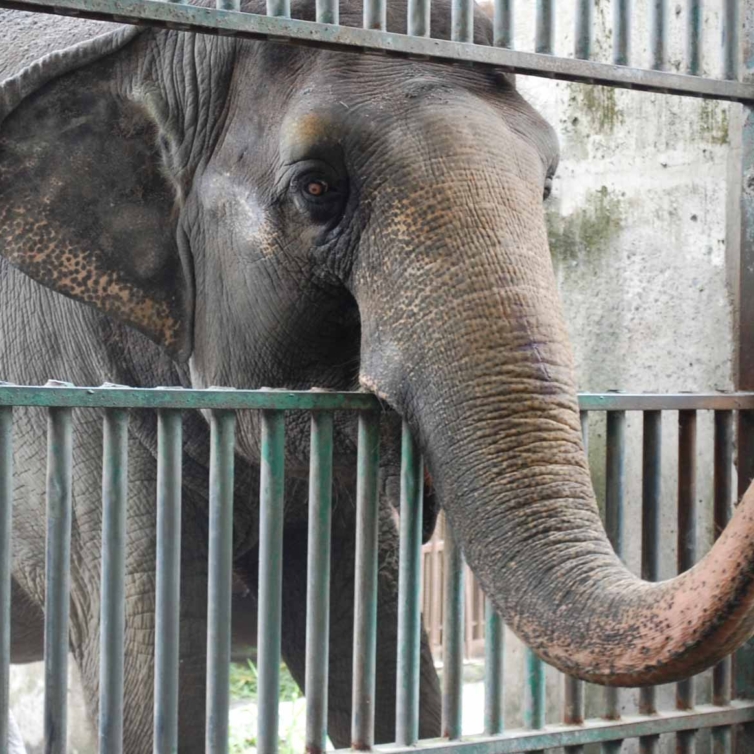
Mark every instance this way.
x=547 y=189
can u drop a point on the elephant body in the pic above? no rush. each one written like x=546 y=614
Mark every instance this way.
x=189 y=210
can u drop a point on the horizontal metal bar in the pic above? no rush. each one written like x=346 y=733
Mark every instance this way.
x=288 y=400
x=252 y=26
x=594 y=731
x=105 y=397
x=668 y=402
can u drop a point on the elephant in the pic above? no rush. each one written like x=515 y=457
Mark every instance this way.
x=194 y=210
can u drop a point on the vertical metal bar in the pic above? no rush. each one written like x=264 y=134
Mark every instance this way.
x=452 y=638
x=502 y=21
x=534 y=697
x=234 y=5
x=168 y=607
x=375 y=15
x=650 y=540
x=328 y=12
x=614 y=510
x=318 y=581
x=694 y=39
x=418 y=18
x=731 y=39
x=621 y=32
x=545 y=31
x=112 y=606
x=583 y=35
x=6 y=520
x=365 y=610
x=220 y=578
x=721 y=675
x=573 y=710
x=494 y=658
x=280 y=8
x=687 y=513
x=462 y=21
x=57 y=578
x=658 y=42
x=271 y=516
x=409 y=592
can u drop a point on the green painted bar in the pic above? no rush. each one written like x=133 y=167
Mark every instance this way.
x=534 y=697
x=502 y=23
x=168 y=588
x=694 y=26
x=6 y=521
x=583 y=32
x=220 y=578
x=365 y=601
x=57 y=578
x=462 y=21
x=418 y=18
x=545 y=27
x=271 y=516
x=615 y=474
x=622 y=32
x=328 y=12
x=409 y=592
x=731 y=39
x=176 y=398
x=723 y=507
x=593 y=732
x=452 y=638
x=494 y=663
x=112 y=606
x=658 y=41
x=318 y=581
x=232 y=5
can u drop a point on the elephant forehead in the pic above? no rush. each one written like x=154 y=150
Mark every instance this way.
x=303 y=131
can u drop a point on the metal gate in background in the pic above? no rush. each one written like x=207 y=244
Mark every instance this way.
x=734 y=415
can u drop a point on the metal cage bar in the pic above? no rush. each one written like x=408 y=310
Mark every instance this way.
x=658 y=35
x=409 y=592
x=452 y=633
x=615 y=473
x=622 y=32
x=220 y=577
x=583 y=31
x=168 y=591
x=271 y=513
x=112 y=607
x=6 y=520
x=650 y=539
x=57 y=578
x=545 y=27
x=534 y=693
x=318 y=581
x=494 y=662
x=365 y=611
x=694 y=26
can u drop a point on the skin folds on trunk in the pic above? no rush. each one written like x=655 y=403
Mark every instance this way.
x=464 y=336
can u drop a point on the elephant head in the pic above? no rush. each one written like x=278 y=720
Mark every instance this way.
x=294 y=217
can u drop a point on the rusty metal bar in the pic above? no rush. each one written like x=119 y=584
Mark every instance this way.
x=687 y=514
x=650 y=540
x=615 y=474
x=365 y=611
x=723 y=507
x=375 y=15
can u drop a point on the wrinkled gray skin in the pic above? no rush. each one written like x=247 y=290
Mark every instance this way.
x=168 y=181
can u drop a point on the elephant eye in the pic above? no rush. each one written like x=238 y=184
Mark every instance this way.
x=547 y=189
x=317 y=188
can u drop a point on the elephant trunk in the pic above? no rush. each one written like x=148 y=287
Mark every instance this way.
x=462 y=332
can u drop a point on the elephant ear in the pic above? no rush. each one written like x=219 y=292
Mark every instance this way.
x=86 y=205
